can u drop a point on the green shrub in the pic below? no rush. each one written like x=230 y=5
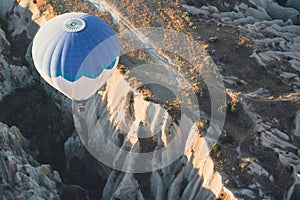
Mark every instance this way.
x=290 y=169
x=217 y=150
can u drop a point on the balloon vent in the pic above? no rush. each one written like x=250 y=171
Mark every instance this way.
x=74 y=25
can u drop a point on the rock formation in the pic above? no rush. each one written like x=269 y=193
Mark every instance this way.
x=21 y=176
x=256 y=152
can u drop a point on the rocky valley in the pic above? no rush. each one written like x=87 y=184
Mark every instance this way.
x=253 y=45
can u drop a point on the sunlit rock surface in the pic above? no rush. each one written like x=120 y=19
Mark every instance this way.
x=190 y=177
x=265 y=153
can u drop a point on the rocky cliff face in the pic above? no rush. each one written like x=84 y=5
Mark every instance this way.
x=191 y=176
x=12 y=77
x=20 y=26
x=256 y=137
x=21 y=176
x=257 y=153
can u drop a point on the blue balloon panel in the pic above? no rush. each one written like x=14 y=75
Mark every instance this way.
x=73 y=45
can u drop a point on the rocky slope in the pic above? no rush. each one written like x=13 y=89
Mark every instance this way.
x=258 y=151
x=24 y=104
x=22 y=177
x=260 y=128
x=192 y=176
x=271 y=102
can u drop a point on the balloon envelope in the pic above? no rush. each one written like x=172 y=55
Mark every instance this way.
x=76 y=53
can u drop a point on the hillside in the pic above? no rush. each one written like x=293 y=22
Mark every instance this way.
x=252 y=46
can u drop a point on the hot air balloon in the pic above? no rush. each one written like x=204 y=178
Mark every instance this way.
x=76 y=53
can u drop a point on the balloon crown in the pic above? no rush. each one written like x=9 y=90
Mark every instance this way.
x=73 y=25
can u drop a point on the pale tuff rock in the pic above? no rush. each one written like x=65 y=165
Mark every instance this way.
x=275 y=33
x=276 y=11
x=192 y=177
x=198 y=172
x=259 y=14
x=12 y=77
x=277 y=140
x=4 y=43
x=21 y=177
x=266 y=18
x=23 y=17
x=263 y=10
x=297 y=124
